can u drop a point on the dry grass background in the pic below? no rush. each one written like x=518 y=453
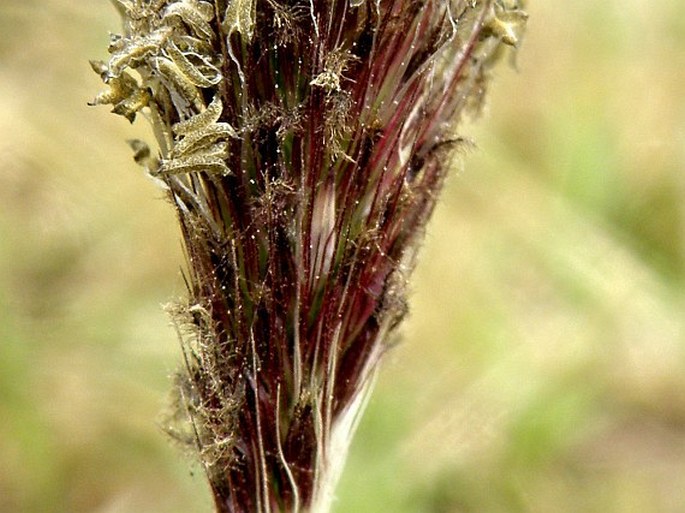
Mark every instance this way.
x=542 y=369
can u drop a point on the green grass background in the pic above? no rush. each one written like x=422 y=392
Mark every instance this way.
x=542 y=368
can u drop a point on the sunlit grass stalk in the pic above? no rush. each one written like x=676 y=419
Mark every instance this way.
x=303 y=144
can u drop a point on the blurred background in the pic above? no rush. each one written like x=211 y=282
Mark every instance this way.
x=542 y=368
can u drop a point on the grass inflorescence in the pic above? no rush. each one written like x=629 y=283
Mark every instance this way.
x=303 y=144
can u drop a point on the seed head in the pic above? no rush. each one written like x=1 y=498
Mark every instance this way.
x=303 y=144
